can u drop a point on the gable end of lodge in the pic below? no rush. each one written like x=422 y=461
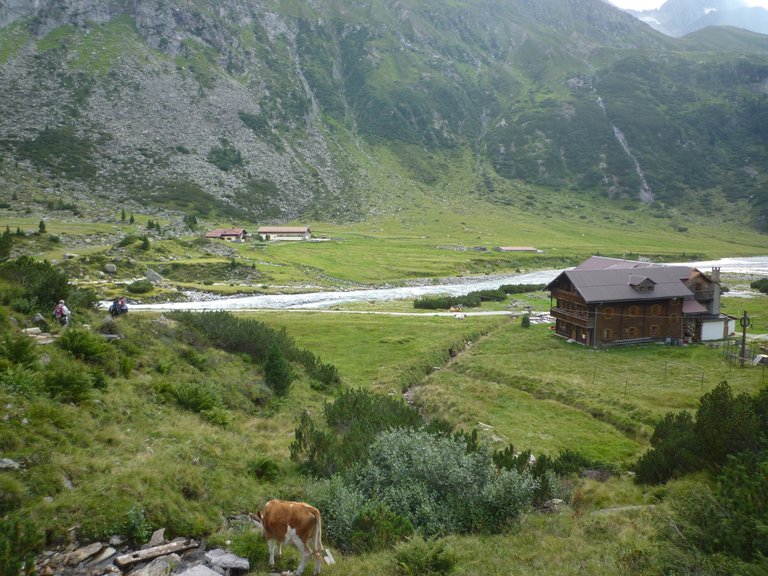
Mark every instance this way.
x=608 y=301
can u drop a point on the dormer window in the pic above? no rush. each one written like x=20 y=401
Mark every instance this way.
x=641 y=283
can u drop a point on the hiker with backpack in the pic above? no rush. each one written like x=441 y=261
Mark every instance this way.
x=119 y=306
x=62 y=313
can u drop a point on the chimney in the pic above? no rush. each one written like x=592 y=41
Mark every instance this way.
x=715 y=277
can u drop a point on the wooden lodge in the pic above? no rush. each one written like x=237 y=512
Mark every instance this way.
x=607 y=301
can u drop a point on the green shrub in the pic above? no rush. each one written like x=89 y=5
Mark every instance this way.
x=40 y=284
x=21 y=380
x=489 y=295
x=196 y=397
x=264 y=468
x=340 y=504
x=256 y=339
x=446 y=302
x=727 y=521
x=671 y=452
x=521 y=288
x=760 y=285
x=225 y=157
x=135 y=526
x=140 y=287
x=376 y=527
x=20 y=541
x=278 y=373
x=20 y=349
x=86 y=346
x=440 y=486
x=525 y=321
x=422 y=557
x=22 y=305
x=724 y=425
x=217 y=416
x=352 y=423
x=68 y=382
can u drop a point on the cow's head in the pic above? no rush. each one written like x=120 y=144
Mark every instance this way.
x=256 y=519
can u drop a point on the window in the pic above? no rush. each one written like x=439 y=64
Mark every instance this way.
x=634 y=311
x=656 y=310
x=607 y=334
x=654 y=330
x=608 y=312
x=631 y=332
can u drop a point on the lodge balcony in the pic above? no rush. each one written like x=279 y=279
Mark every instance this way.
x=577 y=317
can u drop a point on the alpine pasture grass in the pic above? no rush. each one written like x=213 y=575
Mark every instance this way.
x=381 y=352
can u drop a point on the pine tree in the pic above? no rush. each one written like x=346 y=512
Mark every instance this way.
x=122 y=215
x=132 y=220
x=41 y=227
x=6 y=243
x=278 y=372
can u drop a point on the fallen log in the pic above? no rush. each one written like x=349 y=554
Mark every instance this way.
x=154 y=552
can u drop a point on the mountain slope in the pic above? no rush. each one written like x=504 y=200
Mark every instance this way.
x=281 y=109
x=681 y=17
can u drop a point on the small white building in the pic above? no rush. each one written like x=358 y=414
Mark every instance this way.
x=718 y=328
x=284 y=233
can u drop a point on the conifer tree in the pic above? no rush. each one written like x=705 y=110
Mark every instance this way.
x=278 y=372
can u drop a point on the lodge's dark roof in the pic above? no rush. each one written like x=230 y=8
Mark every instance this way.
x=604 y=263
x=615 y=284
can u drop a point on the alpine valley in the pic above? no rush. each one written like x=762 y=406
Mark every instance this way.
x=276 y=110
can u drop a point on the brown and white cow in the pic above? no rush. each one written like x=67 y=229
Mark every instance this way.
x=297 y=523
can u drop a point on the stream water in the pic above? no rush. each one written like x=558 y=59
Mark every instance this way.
x=753 y=266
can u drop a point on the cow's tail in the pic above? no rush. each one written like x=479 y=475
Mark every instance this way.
x=318 y=537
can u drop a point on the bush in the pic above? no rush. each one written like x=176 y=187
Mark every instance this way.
x=724 y=425
x=41 y=285
x=20 y=349
x=340 y=504
x=521 y=288
x=434 y=482
x=727 y=521
x=672 y=450
x=86 y=346
x=263 y=468
x=68 y=382
x=196 y=397
x=376 y=527
x=21 y=380
x=217 y=416
x=140 y=287
x=352 y=423
x=278 y=373
x=420 y=557
x=128 y=240
x=19 y=543
x=525 y=321
x=256 y=339
x=760 y=285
